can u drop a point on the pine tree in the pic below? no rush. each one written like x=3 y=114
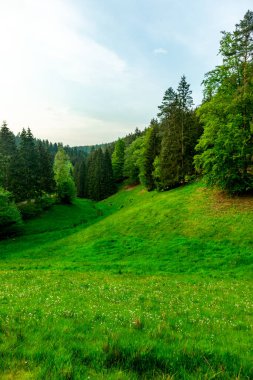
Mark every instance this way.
x=98 y=168
x=168 y=103
x=7 y=154
x=100 y=181
x=90 y=179
x=25 y=170
x=108 y=180
x=171 y=156
x=80 y=177
x=45 y=168
x=151 y=150
x=118 y=160
x=180 y=133
x=29 y=151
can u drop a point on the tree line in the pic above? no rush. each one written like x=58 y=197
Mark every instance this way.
x=215 y=140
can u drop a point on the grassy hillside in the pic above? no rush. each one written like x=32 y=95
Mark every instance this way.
x=141 y=285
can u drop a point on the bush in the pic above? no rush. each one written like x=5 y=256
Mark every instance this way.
x=47 y=201
x=32 y=208
x=10 y=219
x=66 y=191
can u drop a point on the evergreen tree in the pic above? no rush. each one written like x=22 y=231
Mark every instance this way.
x=151 y=150
x=168 y=103
x=80 y=177
x=98 y=188
x=180 y=130
x=7 y=154
x=108 y=180
x=25 y=169
x=65 y=186
x=29 y=152
x=100 y=181
x=171 y=155
x=90 y=179
x=225 y=149
x=45 y=168
x=118 y=160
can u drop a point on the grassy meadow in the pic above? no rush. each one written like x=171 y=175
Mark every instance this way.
x=139 y=286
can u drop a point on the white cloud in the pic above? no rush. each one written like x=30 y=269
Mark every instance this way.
x=160 y=51
x=45 y=48
x=59 y=76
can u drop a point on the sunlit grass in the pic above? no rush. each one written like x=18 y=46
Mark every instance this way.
x=141 y=285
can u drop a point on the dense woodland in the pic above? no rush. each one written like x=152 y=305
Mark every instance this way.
x=213 y=141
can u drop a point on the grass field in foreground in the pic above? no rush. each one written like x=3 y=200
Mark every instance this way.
x=141 y=285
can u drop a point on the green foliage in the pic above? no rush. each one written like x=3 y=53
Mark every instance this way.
x=65 y=186
x=24 y=169
x=133 y=162
x=100 y=181
x=118 y=160
x=7 y=153
x=225 y=158
x=108 y=180
x=151 y=150
x=45 y=169
x=181 y=130
x=225 y=149
x=156 y=174
x=29 y=209
x=80 y=177
x=171 y=157
x=10 y=219
x=34 y=207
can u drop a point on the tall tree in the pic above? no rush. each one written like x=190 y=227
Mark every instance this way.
x=152 y=147
x=7 y=153
x=65 y=186
x=185 y=104
x=98 y=188
x=90 y=178
x=25 y=170
x=225 y=149
x=108 y=180
x=171 y=155
x=180 y=130
x=133 y=165
x=45 y=168
x=80 y=177
x=168 y=103
x=100 y=181
x=118 y=160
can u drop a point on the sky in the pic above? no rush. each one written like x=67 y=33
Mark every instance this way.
x=84 y=72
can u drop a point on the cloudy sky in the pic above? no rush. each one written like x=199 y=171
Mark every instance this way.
x=90 y=71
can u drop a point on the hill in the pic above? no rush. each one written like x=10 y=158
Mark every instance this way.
x=141 y=285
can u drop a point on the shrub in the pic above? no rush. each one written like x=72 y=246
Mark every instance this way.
x=10 y=218
x=34 y=207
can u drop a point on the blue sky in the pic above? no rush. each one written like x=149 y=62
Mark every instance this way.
x=90 y=71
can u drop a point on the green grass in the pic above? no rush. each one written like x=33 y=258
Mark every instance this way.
x=139 y=286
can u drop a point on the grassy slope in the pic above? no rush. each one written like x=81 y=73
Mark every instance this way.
x=140 y=285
